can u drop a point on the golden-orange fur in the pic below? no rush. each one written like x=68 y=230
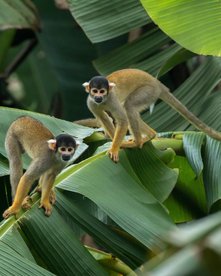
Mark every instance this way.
x=29 y=135
x=131 y=91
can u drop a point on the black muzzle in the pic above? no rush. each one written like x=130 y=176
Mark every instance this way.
x=98 y=99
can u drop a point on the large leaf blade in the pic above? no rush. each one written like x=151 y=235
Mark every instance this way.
x=122 y=193
x=212 y=173
x=178 y=20
x=132 y=53
x=11 y=263
x=72 y=209
x=60 y=244
x=192 y=144
x=152 y=172
x=98 y=26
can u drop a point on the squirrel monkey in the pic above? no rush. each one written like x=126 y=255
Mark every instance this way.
x=124 y=94
x=49 y=156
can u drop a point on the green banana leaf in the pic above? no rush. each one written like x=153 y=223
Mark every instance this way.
x=195 y=250
x=141 y=223
x=121 y=194
x=104 y=20
x=193 y=24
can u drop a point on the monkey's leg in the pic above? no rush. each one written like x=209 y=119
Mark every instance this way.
x=14 y=153
x=136 y=102
x=22 y=190
x=148 y=131
x=26 y=203
x=39 y=189
x=34 y=171
x=47 y=185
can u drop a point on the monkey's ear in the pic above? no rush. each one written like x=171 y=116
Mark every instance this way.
x=86 y=86
x=52 y=144
x=111 y=85
x=77 y=143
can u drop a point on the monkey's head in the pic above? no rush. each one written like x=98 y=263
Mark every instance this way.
x=98 y=88
x=64 y=146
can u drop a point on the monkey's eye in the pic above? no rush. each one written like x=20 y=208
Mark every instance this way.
x=102 y=91
x=70 y=149
x=63 y=149
x=94 y=90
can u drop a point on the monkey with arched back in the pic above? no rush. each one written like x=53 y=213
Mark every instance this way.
x=49 y=156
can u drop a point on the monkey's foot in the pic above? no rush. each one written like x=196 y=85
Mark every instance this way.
x=12 y=210
x=136 y=144
x=148 y=138
x=26 y=203
x=114 y=155
x=47 y=207
x=52 y=196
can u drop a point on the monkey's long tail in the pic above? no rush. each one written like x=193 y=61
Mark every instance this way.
x=168 y=98
x=91 y=122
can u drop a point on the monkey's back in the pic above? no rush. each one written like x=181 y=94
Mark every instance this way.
x=129 y=80
x=31 y=134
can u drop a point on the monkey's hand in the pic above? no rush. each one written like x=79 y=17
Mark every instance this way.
x=46 y=205
x=114 y=155
x=12 y=210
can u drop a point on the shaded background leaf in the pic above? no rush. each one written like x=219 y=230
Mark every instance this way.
x=18 y=14
x=123 y=16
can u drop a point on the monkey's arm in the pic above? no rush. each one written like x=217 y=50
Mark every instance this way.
x=120 y=133
x=117 y=135
x=121 y=129
x=107 y=123
x=105 y=120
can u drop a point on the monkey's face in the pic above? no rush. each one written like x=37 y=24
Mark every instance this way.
x=98 y=89
x=99 y=95
x=64 y=146
x=66 y=152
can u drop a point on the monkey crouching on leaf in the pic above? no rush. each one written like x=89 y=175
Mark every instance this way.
x=124 y=94
x=49 y=156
